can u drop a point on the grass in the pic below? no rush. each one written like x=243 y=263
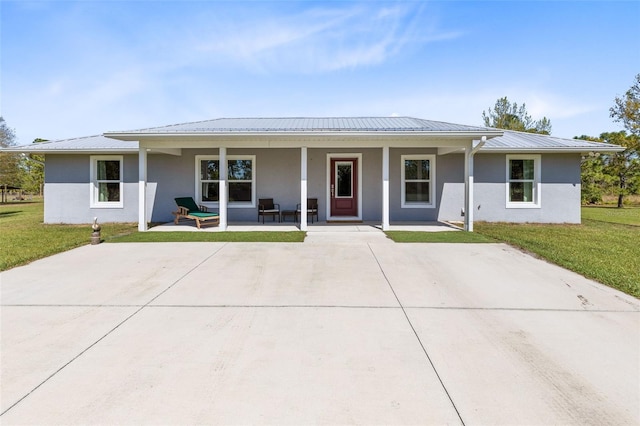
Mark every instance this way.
x=625 y=215
x=24 y=238
x=606 y=247
x=248 y=237
x=437 y=237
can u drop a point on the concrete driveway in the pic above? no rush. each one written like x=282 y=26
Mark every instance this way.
x=349 y=333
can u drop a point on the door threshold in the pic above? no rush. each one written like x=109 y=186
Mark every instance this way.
x=344 y=221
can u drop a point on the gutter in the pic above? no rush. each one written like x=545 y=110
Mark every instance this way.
x=125 y=136
x=565 y=150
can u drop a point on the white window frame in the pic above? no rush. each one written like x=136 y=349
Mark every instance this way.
x=94 y=193
x=432 y=181
x=235 y=204
x=537 y=184
x=198 y=191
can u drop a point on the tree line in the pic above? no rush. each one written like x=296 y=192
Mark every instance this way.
x=23 y=172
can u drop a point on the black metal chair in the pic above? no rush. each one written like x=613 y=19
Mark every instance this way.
x=312 y=209
x=266 y=207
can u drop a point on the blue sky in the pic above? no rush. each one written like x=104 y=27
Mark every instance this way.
x=78 y=68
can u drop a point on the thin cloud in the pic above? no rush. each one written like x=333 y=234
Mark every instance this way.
x=320 y=40
x=549 y=105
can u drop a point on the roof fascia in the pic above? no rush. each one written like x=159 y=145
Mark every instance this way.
x=576 y=150
x=308 y=142
x=142 y=136
x=73 y=151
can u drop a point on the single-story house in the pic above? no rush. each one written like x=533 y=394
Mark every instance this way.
x=384 y=169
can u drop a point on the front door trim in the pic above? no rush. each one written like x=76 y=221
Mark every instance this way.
x=338 y=155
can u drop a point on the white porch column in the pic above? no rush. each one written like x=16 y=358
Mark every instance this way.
x=142 y=189
x=303 y=188
x=385 y=188
x=468 y=188
x=469 y=153
x=222 y=188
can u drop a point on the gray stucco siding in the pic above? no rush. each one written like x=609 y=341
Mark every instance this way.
x=277 y=176
x=559 y=198
x=448 y=191
x=67 y=191
x=168 y=177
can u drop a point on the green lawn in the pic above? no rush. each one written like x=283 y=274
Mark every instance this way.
x=606 y=247
x=24 y=238
x=438 y=237
x=626 y=215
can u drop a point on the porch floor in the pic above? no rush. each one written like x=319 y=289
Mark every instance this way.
x=366 y=226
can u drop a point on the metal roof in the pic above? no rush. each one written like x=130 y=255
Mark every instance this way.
x=310 y=124
x=97 y=143
x=519 y=141
x=498 y=140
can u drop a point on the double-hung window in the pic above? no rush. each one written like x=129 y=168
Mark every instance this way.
x=418 y=174
x=240 y=175
x=209 y=171
x=523 y=181
x=106 y=181
x=240 y=180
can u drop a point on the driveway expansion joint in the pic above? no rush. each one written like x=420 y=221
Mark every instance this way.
x=424 y=349
x=110 y=331
x=434 y=308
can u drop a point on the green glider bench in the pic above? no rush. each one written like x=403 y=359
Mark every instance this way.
x=188 y=209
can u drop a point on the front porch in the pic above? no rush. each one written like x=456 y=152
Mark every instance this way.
x=370 y=184
x=383 y=169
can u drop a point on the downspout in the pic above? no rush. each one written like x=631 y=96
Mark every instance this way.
x=468 y=217
x=475 y=149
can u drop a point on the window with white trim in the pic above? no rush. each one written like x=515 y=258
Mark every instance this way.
x=240 y=180
x=523 y=181
x=418 y=181
x=209 y=178
x=106 y=181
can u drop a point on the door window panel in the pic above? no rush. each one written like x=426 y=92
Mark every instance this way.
x=344 y=179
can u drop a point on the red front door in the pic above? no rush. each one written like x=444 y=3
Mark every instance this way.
x=344 y=187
